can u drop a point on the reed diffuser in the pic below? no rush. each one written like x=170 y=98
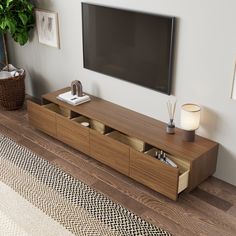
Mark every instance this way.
x=170 y=129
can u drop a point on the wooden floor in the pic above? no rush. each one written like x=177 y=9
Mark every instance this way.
x=208 y=210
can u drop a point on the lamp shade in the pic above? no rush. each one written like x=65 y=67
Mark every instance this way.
x=190 y=116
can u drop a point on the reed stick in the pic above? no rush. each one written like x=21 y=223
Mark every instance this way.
x=171 y=110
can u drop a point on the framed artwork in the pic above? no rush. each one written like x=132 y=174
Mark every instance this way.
x=47 y=27
x=233 y=92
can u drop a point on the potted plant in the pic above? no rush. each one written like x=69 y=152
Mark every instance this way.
x=16 y=18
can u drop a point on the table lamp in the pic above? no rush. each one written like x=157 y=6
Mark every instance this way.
x=189 y=121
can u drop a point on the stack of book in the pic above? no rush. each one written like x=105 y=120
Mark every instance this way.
x=73 y=99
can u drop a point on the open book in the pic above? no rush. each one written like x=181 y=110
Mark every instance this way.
x=73 y=99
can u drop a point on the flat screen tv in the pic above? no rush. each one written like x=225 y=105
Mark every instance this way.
x=132 y=46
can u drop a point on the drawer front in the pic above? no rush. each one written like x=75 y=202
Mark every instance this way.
x=109 y=152
x=73 y=134
x=154 y=174
x=42 y=118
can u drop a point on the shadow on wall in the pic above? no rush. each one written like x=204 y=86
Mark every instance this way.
x=227 y=159
x=38 y=84
x=176 y=43
x=47 y=4
x=209 y=122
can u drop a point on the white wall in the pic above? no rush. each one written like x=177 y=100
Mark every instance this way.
x=205 y=57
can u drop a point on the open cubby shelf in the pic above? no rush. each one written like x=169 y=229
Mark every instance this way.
x=127 y=141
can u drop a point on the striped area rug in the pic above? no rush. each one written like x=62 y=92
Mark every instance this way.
x=37 y=198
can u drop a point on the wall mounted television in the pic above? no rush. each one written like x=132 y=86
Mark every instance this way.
x=132 y=46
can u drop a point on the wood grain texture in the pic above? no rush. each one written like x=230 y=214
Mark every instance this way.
x=220 y=220
x=109 y=151
x=154 y=174
x=157 y=218
x=220 y=188
x=42 y=118
x=127 y=121
x=232 y=211
x=190 y=215
x=73 y=134
x=212 y=199
x=200 y=155
x=203 y=167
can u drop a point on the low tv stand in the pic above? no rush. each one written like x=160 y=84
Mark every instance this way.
x=127 y=141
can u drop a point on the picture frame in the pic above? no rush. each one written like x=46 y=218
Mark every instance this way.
x=233 y=91
x=47 y=27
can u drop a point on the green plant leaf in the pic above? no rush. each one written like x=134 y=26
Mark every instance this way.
x=23 y=18
x=30 y=7
x=11 y=25
x=21 y=38
x=3 y=24
x=17 y=17
x=8 y=2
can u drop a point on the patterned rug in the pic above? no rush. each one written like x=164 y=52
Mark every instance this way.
x=37 y=198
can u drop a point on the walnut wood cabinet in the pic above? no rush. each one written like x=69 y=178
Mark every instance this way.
x=126 y=141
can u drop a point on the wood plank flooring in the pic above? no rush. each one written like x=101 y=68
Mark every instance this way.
x=208 y=210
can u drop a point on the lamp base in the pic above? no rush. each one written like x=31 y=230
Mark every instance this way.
x=189 y=135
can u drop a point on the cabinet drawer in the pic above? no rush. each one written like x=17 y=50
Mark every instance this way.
x=42 y=118
x=157 y=175
x=129 y=141
x=73 y=134
x=109 y=152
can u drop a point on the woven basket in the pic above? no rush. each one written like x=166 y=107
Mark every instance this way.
x=12 y=92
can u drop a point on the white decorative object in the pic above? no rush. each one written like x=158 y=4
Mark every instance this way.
x=86 y=124
x=190 y=120
x=73 y=99
x=47 y=27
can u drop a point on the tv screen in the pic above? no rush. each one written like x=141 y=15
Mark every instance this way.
x=133 y=46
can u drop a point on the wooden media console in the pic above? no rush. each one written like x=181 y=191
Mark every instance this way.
x=127 y=141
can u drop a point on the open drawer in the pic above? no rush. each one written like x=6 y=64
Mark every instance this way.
x=42 y=118
x=125 y=139
x=93 y=124
x=59 y=110
x=158 y=175
x=58 y=122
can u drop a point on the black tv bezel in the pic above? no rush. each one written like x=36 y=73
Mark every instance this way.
x=171 y=47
